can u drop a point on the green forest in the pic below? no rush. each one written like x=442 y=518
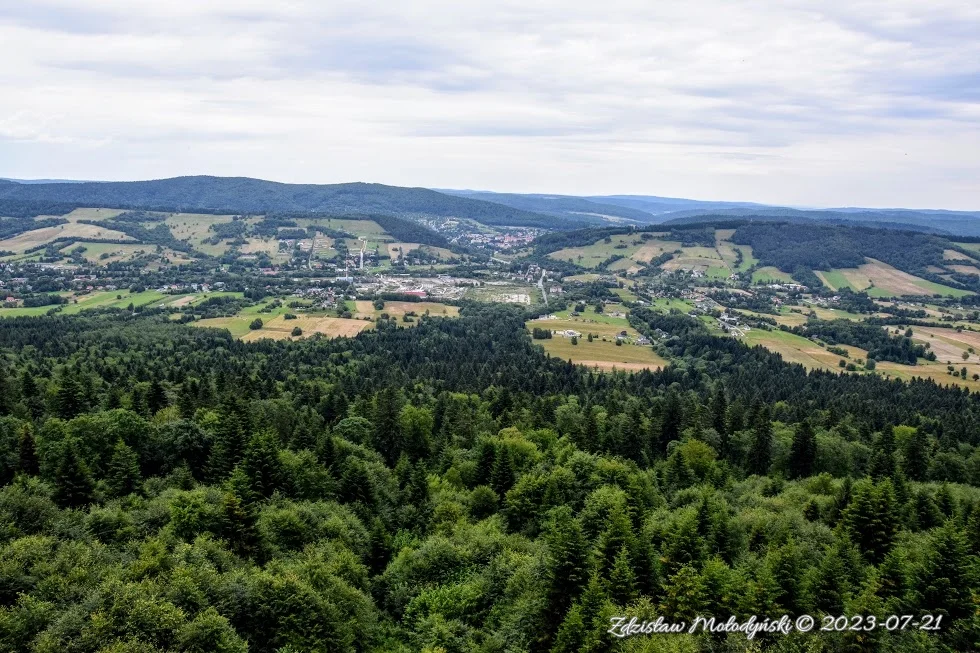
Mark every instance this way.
x=451 y=488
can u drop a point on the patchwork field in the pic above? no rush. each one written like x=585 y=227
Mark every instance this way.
x=195 y=228
x=108 y=252
x=889 y=281
x=36 y=237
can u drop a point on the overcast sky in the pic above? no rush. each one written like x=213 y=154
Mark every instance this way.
x=813 y=103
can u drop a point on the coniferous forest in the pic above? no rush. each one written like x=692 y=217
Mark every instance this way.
x=449 y=487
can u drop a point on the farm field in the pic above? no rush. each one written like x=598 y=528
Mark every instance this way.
x=113 y=251
x=797 y=349
x=195 y=228
x=79 y=303
x=665 y=305
x=605 y=356
x=396 y=309
x=36 y=237
x=882 y=280
x=771 y=274
x=590 y=256
x=279 y=328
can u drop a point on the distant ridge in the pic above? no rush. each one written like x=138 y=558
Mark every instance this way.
x=247 y=195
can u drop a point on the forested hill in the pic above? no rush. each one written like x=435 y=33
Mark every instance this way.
x=561 y=205
x=246 y=195
x=791 y=247
x=963 y=223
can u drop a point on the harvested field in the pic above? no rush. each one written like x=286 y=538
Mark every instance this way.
x=891 y=281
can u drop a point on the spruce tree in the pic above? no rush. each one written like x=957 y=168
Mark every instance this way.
x=944 y=585
x=123 y=477
x=622 y=579
x=261 y=466
x=882 y=464
x=73 y=481
x=803 y=452
x=760 y=452
x=503 y=476
x=27 y=461
x=566 y=563
x=915 y=456
x=70 y=398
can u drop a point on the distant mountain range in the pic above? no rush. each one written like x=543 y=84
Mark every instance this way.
x=246 y=195
x=651 y=209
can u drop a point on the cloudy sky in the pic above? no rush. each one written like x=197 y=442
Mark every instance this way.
x=812 y=103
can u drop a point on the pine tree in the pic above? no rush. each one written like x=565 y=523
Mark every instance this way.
x=829 y=588
x=882 y=464
x=760 y=452
x=945 y=502
x=915 y=456
x=944 y=585
x=503 y=476
x=70 y=398
x=622 y=579
x=380 y=551
x=572 y=633
x=973 y=529
x=123 y=476
x=684 y=594
x=925 y=514
x=871 y=519
x=73 y=481
x=228 y=442
x=239 y=525
x=719 y=414
x=566 y=561
x=387 y=438
x=486 y=459
x=27 y=452
x=156 y=397
x=786 y=566
x=803 y=452
x=261 y=466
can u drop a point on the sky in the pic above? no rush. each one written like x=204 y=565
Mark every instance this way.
x=800 y=102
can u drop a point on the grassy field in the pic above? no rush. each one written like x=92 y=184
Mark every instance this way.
x=78 y=303
x=664 y=305
x=36 y=237
x=797 y=349
x=114 y=252
x=195 y=228
x=889 y=281
x=770 y=274
x=602 y=352
x=605 y=356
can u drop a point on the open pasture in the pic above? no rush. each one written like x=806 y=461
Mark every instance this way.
x=36 y=237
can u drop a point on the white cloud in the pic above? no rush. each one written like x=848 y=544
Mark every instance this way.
x=804 y=102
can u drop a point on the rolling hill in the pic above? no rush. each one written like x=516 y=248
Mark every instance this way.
x=246 y=195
